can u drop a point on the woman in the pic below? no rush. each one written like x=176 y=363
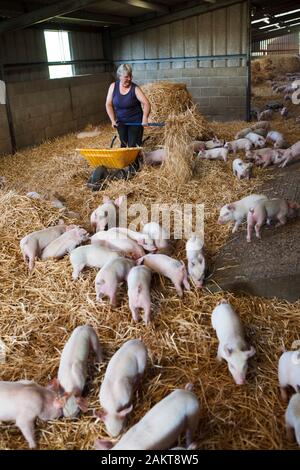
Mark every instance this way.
x=126 y=102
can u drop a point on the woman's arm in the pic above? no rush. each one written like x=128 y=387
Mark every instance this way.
x=145 y=104
x=109 y=105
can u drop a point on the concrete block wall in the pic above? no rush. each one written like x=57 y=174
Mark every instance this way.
x=219 y=92
x=48 y=108
x=217 y=85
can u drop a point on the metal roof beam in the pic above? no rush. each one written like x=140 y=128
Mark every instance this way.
x=43 y=14
x=175 y=16
x=88 y=17
x=146 y=5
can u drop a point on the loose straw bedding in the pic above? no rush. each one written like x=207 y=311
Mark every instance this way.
x=40 y=311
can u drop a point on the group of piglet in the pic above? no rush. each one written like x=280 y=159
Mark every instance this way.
x=252 y=140
x=127 y=255
x=160 y=428
x=24 y=401
x=286 y=85
x=258 y=210
x=120 y=254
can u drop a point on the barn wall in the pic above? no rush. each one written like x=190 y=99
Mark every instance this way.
x=28 y=46
x=44 y=108
x=24 y=46
x=217 y=86
x=5 y=145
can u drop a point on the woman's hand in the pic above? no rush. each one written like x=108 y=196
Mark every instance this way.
x=114 y=124
x=145 y=122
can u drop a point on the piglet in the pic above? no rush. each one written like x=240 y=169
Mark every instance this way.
x=24 y=401
x=257 y=140
x=265 y=115
x=237 y=211
x=114 y=240
x=106 y=214
x=34 y=243
x=261 y=125
x=277 y=139
x=239 y=144
x=267 y=156
x=292 y=418
x=261 y=131
x=123 y=375
x=158 y=235
x=265 y=211
x=90 y=255
x=173 y=269
x=139 y=296
x=241 y=169
x=162 y=425
x=242 y=133
x=219 y=153
x=73 y=365
x=155 y=157
x=289 y=372
x=196 y=260
x=232 y=344
x=142 y=239
x=215 y=142
x=65 y=243
x=110 y=276
x=291 y=153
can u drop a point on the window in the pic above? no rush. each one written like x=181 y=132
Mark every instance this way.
x=58 y=49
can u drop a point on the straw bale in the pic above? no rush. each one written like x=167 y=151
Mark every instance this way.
x=166 y=98
x=180 y=130
x=39 y=311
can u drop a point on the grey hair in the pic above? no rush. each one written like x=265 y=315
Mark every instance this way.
x=124 y=69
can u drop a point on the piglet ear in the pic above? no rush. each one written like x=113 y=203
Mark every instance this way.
x=228 y=351
x=100 y=414
x=125 y=411
x=106 y=199
x=103 y=445
x=250 y=352
x=54 y=385
x=60 y=402
x=82 y=403
x=119 y=200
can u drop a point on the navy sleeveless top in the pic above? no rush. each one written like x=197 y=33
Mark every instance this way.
x=127 y=107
